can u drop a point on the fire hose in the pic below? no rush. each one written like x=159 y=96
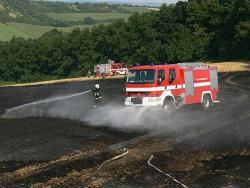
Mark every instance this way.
x=49 y=100
x=113 y=158
x=159 y=170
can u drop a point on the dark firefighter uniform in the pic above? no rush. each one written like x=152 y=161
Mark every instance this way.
x=97 y=94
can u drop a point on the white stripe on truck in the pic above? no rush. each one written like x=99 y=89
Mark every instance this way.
x=145 y=89
x=133 y=89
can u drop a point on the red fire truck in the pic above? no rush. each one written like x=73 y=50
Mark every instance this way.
x=171 y=86
x=110 y=69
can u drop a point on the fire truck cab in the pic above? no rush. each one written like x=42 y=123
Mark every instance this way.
x=118 y=69
x=171 y=86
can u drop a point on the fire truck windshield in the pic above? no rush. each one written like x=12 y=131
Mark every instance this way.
x=141 y=76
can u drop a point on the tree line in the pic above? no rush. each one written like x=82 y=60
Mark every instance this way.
x=187 y=31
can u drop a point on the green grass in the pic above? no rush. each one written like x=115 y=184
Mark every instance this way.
x=8 y=31
x=134 y=8
x=33 y=31
x=81 y=16
x=28 y=30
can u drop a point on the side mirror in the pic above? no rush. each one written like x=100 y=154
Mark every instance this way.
x=160 y=80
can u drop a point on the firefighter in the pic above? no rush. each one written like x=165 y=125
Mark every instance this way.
x=98 y=95
x=89 y=74
x=104 y=74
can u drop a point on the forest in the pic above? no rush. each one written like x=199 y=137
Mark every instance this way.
x=193 y=30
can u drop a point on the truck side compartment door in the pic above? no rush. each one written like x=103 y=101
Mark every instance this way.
x=214 y=79
x=189 y=82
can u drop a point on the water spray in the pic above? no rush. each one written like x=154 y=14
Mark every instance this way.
x=47 y=101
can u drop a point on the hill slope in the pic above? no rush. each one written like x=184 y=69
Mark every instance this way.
x=8 y=31
x=23 y=11
x=30 y=18
x=35 y=12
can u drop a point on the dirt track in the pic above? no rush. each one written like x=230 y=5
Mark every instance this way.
x=208 y=149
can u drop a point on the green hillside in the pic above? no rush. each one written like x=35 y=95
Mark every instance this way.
x=131 y=8
x=35 y=12
x=188 y=31
x=23 y=11
x=8 y=31
x=30 y=19
x=81 y=16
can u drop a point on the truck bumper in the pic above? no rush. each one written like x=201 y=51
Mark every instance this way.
x=145 y=101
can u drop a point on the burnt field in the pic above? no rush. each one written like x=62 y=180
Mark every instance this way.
x=59 y=140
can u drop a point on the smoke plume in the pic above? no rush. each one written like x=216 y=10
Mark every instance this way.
x=80 y=107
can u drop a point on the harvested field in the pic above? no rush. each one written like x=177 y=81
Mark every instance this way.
x=65 y=148
x=222 y=67
x=226 y=67
x=66 y=80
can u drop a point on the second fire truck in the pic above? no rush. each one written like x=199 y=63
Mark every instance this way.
x=110 y=69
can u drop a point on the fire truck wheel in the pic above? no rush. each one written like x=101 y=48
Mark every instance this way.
x=168 y=106
x=206 y=102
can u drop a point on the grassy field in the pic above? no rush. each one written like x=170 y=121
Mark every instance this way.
x=81 y=16
x=28 y=30
x=7 y=31
x=54 y=81
x=134 y=9
x=36 y=30
x=223 y=67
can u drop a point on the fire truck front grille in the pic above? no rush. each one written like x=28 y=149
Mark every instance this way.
x=136 y=100
x=141 y=94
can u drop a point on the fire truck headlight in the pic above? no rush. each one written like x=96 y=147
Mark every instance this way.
x=127 y=101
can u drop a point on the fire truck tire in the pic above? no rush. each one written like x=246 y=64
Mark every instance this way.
x=168 y=106
x=206 y=102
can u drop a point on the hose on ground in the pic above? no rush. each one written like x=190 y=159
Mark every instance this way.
x=159 y=170
x=113 y=158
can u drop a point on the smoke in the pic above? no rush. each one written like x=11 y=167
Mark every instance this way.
x=129 y=118
x=185 y=123
x=80 y=107
x=124 y=117
x=224 y=125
